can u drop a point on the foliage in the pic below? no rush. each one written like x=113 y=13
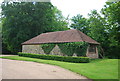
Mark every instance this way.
x=98 y=30
x=104 y=29
x=94 y=27
x=4 y=49
x=67 y=48
x=75 y=47
x=111 y=14
x=97 y=69
x=47 y=48
x=60 y=22
x=55 y=57
x=22 y=21
x=0 y=37
x=25 y=20
x=80 y=23
x=0 y=29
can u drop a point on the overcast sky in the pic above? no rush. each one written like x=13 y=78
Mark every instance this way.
x=74 y=7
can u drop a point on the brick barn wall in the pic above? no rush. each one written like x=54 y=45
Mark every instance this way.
x=37 y=49
x=32 y=49
x=56 y=51
x=92 y=54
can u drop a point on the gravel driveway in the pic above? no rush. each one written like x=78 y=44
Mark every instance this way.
x=13 y=69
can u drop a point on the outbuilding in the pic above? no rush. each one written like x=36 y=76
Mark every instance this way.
x=34 y=45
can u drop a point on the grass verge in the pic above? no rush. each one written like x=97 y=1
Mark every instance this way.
x=96 y=69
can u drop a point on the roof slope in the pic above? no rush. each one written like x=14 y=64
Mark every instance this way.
x=72 y=35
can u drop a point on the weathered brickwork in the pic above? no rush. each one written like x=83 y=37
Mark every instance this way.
x=32 y=49
x=74 y=55
x=37 y=49
x=56 y=51
x=92 y=54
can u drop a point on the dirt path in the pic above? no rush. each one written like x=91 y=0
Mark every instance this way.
x=12 y=69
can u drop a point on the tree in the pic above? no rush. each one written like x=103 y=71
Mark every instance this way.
x=98 y=30
x=0 y=37
x=111 y=13
x=105 y=29
x=3 y=48
x=80 y=23
x=25 y=20
x=97 y=27
x=60 y=22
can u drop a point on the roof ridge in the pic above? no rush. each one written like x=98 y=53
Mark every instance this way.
x=57 y=31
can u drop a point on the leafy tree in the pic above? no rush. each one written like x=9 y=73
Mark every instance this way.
x=97 y=27
x=0 y=37
x=80 y=23
x=24 y=20
x=111 y=13
x=0 y=29
x=3 y=47
x=105 y=29
x=98 y=30
x=60 y=22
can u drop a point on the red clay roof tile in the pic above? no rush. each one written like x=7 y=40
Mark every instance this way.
x=72 y=35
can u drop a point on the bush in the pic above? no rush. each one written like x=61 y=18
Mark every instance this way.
x=55 y=57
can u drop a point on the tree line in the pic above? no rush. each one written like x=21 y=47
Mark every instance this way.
x=103 y=27
x=24 y=20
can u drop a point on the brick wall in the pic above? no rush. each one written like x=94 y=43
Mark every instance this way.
x=32 y=49
x=56 y=51
x=37 y=49
x=92 y=54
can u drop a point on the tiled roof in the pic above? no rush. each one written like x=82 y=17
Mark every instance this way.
x=72 y=35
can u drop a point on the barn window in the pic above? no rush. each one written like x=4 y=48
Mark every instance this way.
x=92 y=48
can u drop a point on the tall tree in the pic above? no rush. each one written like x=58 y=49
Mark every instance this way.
x=98 y=30
x=0 y=37
x=60 y=22
x=97 y=27
x=105 y=29
x=111 y=13
x=24 y=20
x=80 y=23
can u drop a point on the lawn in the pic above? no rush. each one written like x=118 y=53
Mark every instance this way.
x=96 y=69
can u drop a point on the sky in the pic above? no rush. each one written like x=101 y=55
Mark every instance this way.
x=74 y=7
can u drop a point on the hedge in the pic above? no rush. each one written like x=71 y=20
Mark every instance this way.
x=57 y=58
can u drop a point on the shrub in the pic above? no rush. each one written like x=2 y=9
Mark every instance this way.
x=57 y=58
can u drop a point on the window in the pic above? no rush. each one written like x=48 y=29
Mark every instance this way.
x=92 y=48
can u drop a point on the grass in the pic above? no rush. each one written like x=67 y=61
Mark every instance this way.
x=96 y=69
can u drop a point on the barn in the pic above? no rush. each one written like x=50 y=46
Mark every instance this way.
x=34 y=45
